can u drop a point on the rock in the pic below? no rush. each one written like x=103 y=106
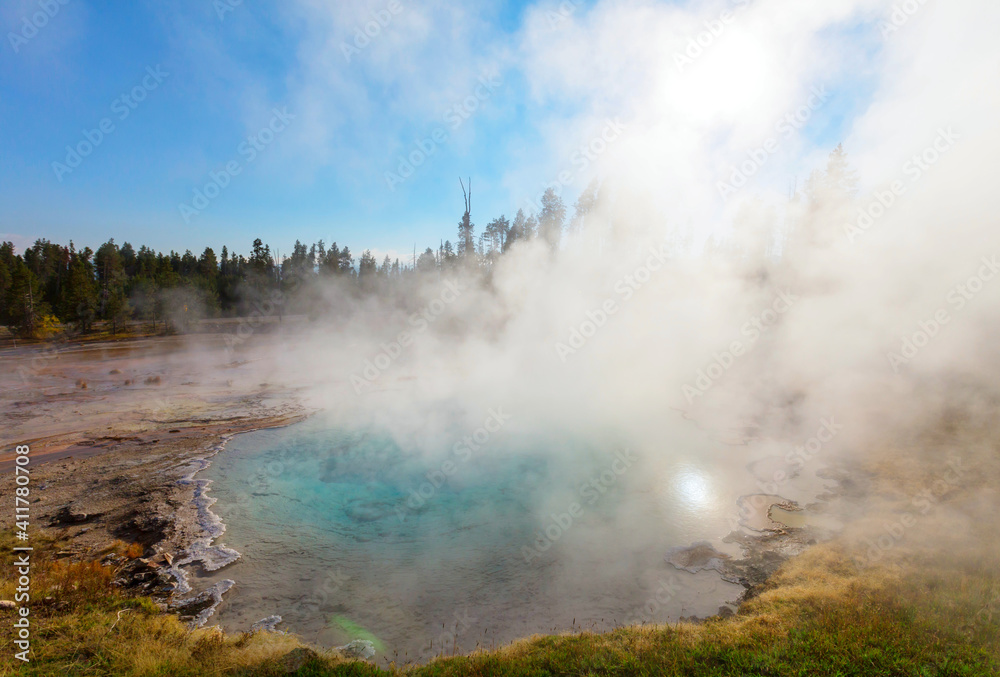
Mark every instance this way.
x=295 y=660
x=763 y=554
x=112 y=559
x=7 y=604
x=755 y=512
x=198 y=609
x=67 y=516
x=162 y=559
x=359 y=649
x=696 y=557
x=266 y=624
x=141 y=575
x=144 y=528
x=726 y=612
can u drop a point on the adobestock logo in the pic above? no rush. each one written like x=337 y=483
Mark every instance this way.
x=894 y=531
x=462 y=451
x=590 y=492
x=801 y=455
x=454 y=116
x=248 y=325
x=914 y=169
x=566 y=8
x=250 y=149
x=122 y=107
x=697 y=46
x=31 y=25
x=959 y=297
x=722 y=362
x=580 y=161
x=626 y=288
x=662 y=595
x=786 y=127
x=364 y=34
x=390 y=351
x=901 y=13
x=224 y=7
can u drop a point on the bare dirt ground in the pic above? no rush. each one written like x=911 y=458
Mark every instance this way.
x=114 y=426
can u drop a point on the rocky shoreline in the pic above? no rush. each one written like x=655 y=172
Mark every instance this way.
x=765 y=542
x=116 y=461
x=127 y=495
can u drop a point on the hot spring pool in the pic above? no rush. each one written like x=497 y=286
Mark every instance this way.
x=348 y=533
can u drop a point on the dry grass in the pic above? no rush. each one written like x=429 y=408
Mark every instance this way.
x=83 y=625
x=929 y=606
x=821 y=614
x=134 y=550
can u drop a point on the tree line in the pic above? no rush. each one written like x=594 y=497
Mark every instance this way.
x=50 y=284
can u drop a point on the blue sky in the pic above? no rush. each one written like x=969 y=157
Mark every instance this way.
x=352 y=116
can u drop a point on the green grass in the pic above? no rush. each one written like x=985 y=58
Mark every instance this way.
x=847 y=628
x=820 y=615
x=929 y=608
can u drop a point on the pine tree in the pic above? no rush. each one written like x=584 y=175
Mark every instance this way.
x=585 y=204
x=551 y=219
x=517 y=230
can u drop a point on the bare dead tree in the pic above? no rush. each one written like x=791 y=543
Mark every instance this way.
x=467 y=196
x=465 y=227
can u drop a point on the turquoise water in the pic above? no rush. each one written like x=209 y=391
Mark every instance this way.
x=424 y=545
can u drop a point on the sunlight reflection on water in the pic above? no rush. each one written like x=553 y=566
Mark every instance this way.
x=347 y=534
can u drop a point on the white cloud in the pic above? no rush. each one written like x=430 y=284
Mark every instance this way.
x=368 y=102
x=698 y=85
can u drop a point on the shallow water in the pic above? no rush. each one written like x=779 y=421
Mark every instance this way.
x=348 y=533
